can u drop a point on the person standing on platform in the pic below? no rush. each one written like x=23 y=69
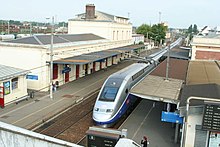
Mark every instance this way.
x=144 y=142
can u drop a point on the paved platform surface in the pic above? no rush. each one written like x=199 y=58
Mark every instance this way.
x=28 y=114
x=145 y=121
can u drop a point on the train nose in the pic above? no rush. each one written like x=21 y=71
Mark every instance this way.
x=101 y=117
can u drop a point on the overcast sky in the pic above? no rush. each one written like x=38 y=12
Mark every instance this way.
x=178 y=13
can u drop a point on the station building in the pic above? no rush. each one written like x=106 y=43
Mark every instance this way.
x=108 y=26
x=206 y=47
x=13 y=84
x=90 y=32
x=74 y=56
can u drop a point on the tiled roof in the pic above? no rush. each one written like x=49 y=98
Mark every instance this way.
x=97 y=56
x=99 y=16
x=58 y=38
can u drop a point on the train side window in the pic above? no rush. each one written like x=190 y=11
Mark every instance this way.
x=126 y=91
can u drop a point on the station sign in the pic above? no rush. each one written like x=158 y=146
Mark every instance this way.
x=66 y=69
x=32 y=77
x=211 y=117
x=171 y=117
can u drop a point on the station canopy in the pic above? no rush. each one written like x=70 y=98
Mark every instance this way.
x=97 y=56
x=156 y=87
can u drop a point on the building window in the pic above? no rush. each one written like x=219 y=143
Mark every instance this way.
x=122 y=35
x=14 y=83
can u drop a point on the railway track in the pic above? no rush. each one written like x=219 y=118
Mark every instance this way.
x=73 y=123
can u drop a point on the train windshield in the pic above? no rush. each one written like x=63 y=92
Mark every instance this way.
x=108 y=94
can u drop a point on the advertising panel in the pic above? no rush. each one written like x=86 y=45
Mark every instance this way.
x=6 y=87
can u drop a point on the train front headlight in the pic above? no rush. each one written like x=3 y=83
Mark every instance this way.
x=96 y=109
x=109 y=110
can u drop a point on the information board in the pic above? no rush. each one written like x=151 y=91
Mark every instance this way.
x=211 y=117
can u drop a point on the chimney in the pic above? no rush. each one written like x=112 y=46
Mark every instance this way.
x=90 y=11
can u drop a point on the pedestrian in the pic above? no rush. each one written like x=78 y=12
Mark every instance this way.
x=144 y=142
x=54 y=87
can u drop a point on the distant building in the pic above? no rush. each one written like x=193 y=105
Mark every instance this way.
x=205 y=31
x=206 y=47
x=137 y=38
x=13 y=84
x=108 y=26
x=208 y=31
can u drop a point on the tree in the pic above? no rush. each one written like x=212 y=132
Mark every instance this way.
x=62 y=24
x=190 y=29
x=195 y=30
x=158 y=32
x=144 y=29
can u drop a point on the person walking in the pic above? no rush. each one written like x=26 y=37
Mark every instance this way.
x=144 y=142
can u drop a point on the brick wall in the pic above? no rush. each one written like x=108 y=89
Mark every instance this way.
x=207 y=55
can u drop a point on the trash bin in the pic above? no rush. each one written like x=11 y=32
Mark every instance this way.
x=32 y=94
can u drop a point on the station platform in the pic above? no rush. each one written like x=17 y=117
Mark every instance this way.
x=145 y=121
x=34 y=111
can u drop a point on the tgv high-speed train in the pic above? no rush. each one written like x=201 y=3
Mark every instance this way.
x=113 y=99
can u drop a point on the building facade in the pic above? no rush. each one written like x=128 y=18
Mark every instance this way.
x=137 y=38
x=108 y=26
x=206 y=47
x=33 y=54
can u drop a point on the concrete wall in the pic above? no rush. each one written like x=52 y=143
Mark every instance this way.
x=97 y=66
x=108 y=30
x=193 y=120
x=12 y=136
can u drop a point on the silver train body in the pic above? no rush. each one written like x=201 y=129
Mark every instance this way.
x=113 y=99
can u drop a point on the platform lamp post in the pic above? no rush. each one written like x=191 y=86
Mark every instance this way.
x=8 y=27
x=168 y=61
x=51 y=59
x=30 y=29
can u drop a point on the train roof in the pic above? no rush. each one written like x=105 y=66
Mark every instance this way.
x=129 y=71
